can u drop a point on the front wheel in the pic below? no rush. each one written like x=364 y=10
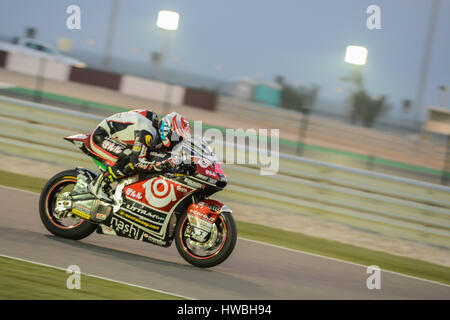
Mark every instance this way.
x=66 y=226
x=215 y=249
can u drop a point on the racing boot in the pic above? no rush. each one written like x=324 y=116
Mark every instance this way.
x=98 y=185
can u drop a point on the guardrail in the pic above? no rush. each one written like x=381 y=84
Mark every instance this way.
x=371 y=201
x=367 y=142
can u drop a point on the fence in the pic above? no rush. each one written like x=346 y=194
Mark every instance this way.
x=421 y=157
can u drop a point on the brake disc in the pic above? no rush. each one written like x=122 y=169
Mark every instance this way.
x=208 y=244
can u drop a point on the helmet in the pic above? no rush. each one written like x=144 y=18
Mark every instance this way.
x=173 y=128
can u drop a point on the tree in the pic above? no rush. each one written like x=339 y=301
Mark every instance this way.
x=364 y=108
x=300 y=98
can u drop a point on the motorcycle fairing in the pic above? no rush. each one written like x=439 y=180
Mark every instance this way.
x=83 y=142
x=147 y=210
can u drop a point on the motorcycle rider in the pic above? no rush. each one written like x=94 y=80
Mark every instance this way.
x=126 y=139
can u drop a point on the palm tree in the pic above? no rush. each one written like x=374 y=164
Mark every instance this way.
x=363 y=107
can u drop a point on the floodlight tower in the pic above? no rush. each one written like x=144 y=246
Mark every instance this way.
x=168 y=22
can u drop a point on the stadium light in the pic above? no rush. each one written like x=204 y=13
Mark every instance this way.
x=168 y=20
x=356 y=55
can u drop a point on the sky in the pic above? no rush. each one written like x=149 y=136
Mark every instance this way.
x=302 y=40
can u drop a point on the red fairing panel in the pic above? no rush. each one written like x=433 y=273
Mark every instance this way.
x=85 y=139
x=159 y=193
x=206 y=168
x=207 y=210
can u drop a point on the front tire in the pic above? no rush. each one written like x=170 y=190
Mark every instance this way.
x=75 y=228
x=219 y=250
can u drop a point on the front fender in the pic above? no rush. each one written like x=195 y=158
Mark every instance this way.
x=217 y=206
x=207 y=209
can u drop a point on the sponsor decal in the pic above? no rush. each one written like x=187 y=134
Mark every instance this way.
x=82 y=211
x=210 y=173
x=139 y=221
x=125 y=228
x=200 y=220
x=158 y=154
x=100 y=216
x=133 y=194
x=82 y=208
x=182 y=189
x=211 y=180
x=204 y=163
x=154 y=240
x=142 y=210
x=201 y=215
x=199 y=175
x=206 y=179
x=214 y=208
x=193 y=183
x=112 y=147
x=159 y=193
x=81 y=214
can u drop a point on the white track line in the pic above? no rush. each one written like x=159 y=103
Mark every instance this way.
x=99 y=277
x=302 y=252
x=343 y=261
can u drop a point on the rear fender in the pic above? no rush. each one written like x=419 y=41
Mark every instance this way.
x=86 y=172
x=82 y=141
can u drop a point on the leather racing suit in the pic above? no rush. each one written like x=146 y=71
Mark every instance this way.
x=126 y=139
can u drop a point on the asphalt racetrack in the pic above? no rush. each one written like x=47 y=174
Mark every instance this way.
x=253 y=271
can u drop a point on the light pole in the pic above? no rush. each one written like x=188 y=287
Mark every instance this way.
x=110 y=34
x=357 y=57
x=168 y=22
x=444 y=95
x=425 y=63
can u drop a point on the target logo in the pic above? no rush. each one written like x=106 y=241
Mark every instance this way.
x=204 y=163
x=159 y=193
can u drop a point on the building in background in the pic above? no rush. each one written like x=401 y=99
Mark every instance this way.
x=267 y=93
x=243 y=89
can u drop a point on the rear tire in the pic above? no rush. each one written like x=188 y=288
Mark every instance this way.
x=227 y=236
x=80 y=228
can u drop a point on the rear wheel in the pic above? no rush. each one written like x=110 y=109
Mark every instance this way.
x=64 y=225
x=215 y=249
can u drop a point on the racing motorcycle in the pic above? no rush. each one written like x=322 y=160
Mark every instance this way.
x=150 y=207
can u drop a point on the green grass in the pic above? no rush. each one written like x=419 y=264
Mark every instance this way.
x=21 y=181
x=25 y=281
x=53 y=96
x=297 y=241
x=287 y=143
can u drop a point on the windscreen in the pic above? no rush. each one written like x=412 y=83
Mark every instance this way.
x=198 y=147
